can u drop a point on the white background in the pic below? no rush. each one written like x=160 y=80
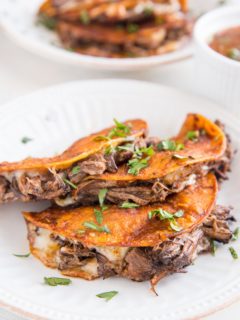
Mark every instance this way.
x=22 y=73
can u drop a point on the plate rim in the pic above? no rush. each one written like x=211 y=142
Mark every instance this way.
x=126 y=82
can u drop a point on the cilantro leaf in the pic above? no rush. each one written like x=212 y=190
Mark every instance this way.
x=178 y=214
x=128 y=205
x=70 y=183
x=54 y=281
x=193 y=135
x=233 y=253
x=107 y=295
x=148 y=151
x=126 y=147
x=174 y=225
x=98 y=215
x=48 y=22
x=25 y=140
x=169 y=145
x=235 y=234
x=76 y=170
x=101 y=196
x=213 y=247
x=120 y=130
x=22 y=255
x=136 y=165
x=93 y=226
x=165 y=215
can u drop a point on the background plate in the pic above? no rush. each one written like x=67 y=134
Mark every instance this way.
x=55 y=117
x=18 y=18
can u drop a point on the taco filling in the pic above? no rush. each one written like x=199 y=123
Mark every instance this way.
x=164 y=239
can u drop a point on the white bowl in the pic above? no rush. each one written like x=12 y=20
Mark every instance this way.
x=217 y=77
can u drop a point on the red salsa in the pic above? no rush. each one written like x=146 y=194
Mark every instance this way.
x=227 y=43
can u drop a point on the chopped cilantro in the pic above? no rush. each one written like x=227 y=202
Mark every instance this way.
x=107 y=295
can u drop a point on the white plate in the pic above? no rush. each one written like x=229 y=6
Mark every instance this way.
x=18 y=19
x=56 y=117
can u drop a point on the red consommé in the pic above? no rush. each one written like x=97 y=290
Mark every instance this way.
x=227 y=43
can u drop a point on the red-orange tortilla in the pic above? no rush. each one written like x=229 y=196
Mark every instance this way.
x=131 y=227
x=210 y=146
x=80 y=150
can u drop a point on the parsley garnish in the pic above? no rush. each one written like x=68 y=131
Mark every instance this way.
x=70 y=183
x=174 y=225
x=235 y=234
x=148 y=12
x=170 y=145
x=109 y=150
x=126 y=147
x=128 y=205
x=84 y=17
x=120 y=130
x=144 y=151
x=233 y=253
x=76 y=170
x=165 y=215
x=22 y=255
x=101 y=196
x=132 y=27
x=193 y=135
x=54 y=281
x=48 y=22
x=234 y=54
x=107 y=295
x=99 y=213
x=93 y=226
x=25 y=140
x=213 y=246
x=138 y=163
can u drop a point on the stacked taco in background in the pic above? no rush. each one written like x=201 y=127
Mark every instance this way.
x=118 y=28
x=124 y=203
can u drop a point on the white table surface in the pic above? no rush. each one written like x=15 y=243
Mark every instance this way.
x=21 y=73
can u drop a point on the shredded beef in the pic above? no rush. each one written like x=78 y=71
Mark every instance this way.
x=138 y=265
x=216 y=226
x=6 y=194
x=94 y=165
x=222 y=166
x=105 y=267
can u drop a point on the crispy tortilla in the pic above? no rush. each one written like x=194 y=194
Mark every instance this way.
x=210 y=146
x=80 y=150
x=131 y=227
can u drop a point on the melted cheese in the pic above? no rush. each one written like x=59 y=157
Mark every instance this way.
x=43 y=240
x=113 y=254
x=91 y=267
x=191 y=180
x=65 y=202
x=46 y=246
